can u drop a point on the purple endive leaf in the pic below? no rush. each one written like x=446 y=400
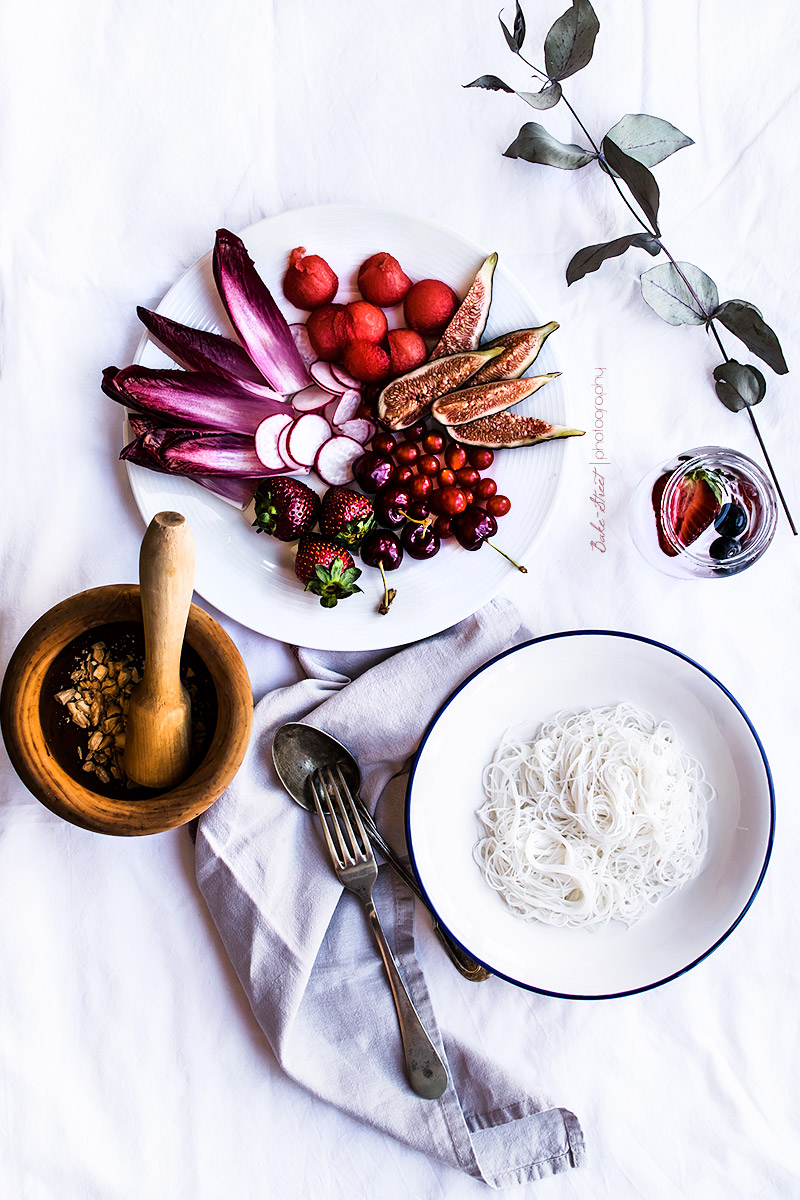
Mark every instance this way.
x=196 y=452
x=198 y=350
x=255 y=316
x=191 y=398
x=237 y=491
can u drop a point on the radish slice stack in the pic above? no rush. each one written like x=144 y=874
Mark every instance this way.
x=326 y=434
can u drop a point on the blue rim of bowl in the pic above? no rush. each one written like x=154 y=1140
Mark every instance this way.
x=634 y=637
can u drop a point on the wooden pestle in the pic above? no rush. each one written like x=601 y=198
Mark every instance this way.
x=158 y=729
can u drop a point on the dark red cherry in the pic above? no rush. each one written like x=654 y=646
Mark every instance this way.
x=381 y=548
x=472 y=526
x=420 y=541
x=391 y=504
x=372 y=471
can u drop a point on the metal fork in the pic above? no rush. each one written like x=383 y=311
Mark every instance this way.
x=354 y=863
x=463 y=962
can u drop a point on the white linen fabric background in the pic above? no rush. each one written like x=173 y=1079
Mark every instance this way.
x=130 y=1065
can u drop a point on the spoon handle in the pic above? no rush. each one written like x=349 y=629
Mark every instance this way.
x=462 y=961
x=426 y=1071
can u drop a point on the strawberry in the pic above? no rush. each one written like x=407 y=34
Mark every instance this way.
x=326 y=569
x=285 y=507
x=658 y=491
x=694 y=505
x=346 y=516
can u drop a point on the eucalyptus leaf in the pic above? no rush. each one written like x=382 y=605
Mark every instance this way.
x=665 y=289
x=514 y=40
x=591 y=258
x=647 y=139
x=491 y=83
x=639 y=179
x=536 y=145
x=745 y=322
x=569 y=45
x=546 y=98
x=739 y=386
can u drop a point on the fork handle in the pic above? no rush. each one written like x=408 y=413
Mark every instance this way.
x=426 y=1071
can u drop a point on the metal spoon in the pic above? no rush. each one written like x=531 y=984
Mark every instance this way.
x=297 y=751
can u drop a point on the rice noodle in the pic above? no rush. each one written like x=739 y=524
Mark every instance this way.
x=597 y=818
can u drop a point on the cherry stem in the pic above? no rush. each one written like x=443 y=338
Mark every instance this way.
x=388 y=593
x=523 y=570
x=426 y=522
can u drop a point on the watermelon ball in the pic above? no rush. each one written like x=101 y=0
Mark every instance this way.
x=407 y=350
x=366 y=362
x=309 y=282
x=382 y=280
x=429 y=306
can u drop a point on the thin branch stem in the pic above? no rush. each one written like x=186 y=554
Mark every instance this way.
x=657 y=238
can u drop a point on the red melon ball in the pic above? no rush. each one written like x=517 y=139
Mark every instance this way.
x=366 y=362
x=365 y=322
x=382 y=280
x=429 y=306
x=407 y=350
x=326 y=331
x=309 y=282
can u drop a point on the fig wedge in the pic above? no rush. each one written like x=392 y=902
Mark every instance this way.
x=506 y=429
x=520 y=349
x=469 y=320
x=407 y=398
x=471 y=403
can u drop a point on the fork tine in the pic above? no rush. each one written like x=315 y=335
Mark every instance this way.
x=348 y=803
x=359 y=853
x=322 y=805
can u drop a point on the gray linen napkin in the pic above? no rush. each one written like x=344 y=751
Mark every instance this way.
x=301 y=946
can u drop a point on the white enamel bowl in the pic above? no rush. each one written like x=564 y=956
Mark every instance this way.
x=580 y=670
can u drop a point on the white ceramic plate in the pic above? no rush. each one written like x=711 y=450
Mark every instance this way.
x=575 y=671
x=250 y=577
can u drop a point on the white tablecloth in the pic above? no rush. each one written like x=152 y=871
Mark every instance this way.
x=130 y=1065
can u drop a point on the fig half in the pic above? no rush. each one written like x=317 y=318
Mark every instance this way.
x=506 y=429
x=469 y=320
x=407 y=398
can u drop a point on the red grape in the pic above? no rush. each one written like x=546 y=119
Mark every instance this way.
x=481 y=458
x=498 y=506
x=485 y=488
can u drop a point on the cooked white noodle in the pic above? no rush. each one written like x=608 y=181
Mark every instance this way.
x=600 y=816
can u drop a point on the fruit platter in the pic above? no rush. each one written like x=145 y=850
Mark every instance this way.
x=351 y=418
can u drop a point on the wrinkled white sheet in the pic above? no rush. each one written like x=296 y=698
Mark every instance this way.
x=131 y=1067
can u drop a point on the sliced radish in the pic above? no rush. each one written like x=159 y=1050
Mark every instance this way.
x=360 y=429
x=347 y=407
x=342 y=376
x=283 y=449
x=303 y=343
x=322 y=375
x=306 y=435
x=335 y=458
x=267 y=437
x=329 y=411
x=311 y=399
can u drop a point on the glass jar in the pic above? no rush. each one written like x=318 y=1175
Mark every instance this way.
x=705 y=514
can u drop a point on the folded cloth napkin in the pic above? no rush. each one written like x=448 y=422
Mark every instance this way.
x=302 y=949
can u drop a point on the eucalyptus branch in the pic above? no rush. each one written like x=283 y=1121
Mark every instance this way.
x=679 y=292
